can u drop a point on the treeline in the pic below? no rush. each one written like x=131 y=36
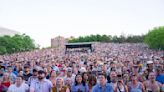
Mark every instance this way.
x=17 y=43
x=109 y=38
x=155 y=38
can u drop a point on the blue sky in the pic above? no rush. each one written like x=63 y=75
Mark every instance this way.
x=45 y=19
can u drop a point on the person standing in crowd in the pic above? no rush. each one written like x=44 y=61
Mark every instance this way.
x=27 y=73
x=1 y=71
x=19 y=85
x=151 y=84
x=49 y=69
x=5 y=81
x=46 y=73
x=55 y=67
x=42 y=84
x=34 y=77
x=135 y=86
x=80 y=85
x=68 y=83
x=85 y=77
x=102 y=85
x=20 y=73
x=92 y=81
x=160 y=75
x=2 y=88
x=126 y=79
x=150 y=67
x=17 y=68
x=12 y=76
x=113 y=79
x=60 y=86
x=135 y=70
x=70 y=75
x=121 y=87
x=53 y=77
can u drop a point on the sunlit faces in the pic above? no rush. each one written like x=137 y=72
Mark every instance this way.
x=41 y=75
x=152 y=76
x=19 y=80
x=101 y=79
x=53 y=74
x=59 y=81
x=26 y=68
x=134 y=78
x=10 y=69
x=49 y=68
x=5 y=76
x=150 y=66
x=69 y=73
x=68 y=81
x=79 y=78
x=35 y=72
x=113 y=74
x=20 y=73
x=85 y=76
x=125 y=76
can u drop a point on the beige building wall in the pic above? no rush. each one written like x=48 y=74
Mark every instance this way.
x=58 y=41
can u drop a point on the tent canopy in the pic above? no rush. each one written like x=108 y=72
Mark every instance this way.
x=79 y=45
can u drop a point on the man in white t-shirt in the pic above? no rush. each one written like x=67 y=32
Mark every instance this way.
x=19 y=86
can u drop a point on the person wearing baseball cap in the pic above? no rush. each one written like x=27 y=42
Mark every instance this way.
x=150 y=67
x=27 y=73
x=34 y=76
x=42 y=84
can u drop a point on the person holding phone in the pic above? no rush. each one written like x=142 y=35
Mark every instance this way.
x=151 y=84
x=121 y=87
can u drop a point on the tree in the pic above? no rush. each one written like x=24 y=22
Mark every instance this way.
x=155 y=38
x=92 y=38
x=16 y=43
x=2 y=50
x=135 y=38
x=108 y=38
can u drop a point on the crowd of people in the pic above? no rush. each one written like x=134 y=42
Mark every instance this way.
x=111 y=67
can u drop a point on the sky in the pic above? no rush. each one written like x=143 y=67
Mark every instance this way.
x=46 y=19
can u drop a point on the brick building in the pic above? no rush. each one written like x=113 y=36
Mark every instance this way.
x=58 y=41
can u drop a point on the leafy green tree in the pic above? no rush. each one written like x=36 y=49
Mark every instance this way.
x=92 y=38
x=135 y=38
x=16 y=43
x=155 y=38
x=109 y=38
x=2 y=50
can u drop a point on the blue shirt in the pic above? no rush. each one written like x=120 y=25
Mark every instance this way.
x=98 y=88
x=160 y=78
x=81 y=87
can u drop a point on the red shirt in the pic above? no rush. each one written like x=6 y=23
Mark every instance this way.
x=7 y=84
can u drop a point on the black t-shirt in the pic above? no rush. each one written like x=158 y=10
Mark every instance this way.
x=26 y=76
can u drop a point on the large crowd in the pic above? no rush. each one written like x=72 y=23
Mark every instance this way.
x=111 y=67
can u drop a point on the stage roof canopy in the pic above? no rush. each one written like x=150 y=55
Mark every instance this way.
x=79 y=45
